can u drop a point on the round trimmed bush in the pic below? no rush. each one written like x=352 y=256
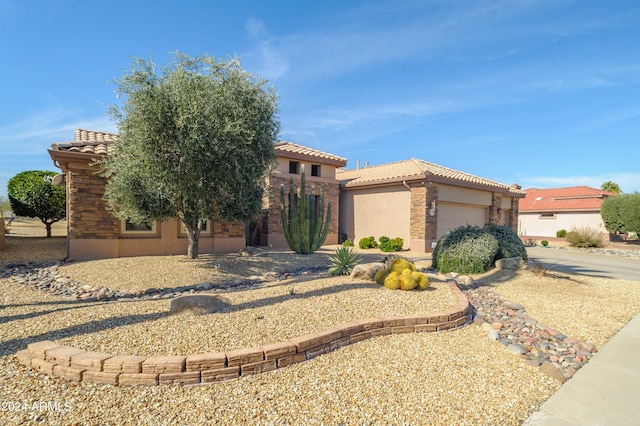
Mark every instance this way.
x=509 y=244
x=466 y=250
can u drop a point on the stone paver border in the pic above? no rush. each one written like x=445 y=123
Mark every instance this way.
x=86 y=366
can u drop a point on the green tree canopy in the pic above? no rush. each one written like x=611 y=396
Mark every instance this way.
x=32 y=194
x=611 y=187
x=621 y=213
x=196 y=142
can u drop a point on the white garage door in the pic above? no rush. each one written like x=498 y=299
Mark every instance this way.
x=451 y=216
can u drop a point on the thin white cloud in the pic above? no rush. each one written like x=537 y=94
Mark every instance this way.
x=273 y=63
x=36 y=132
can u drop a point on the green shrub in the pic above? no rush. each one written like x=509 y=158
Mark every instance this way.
x=466 y=250
x=544 y=243
x=561 y=233
x=347 y=243
x=367 y=243
x=388 y=245
x=621 y=213
x=509 y=244
x=584 y=237
x=343 y=260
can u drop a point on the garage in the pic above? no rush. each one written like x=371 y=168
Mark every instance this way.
x=452 y=215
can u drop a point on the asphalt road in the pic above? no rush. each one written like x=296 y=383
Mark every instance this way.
x=573 y=262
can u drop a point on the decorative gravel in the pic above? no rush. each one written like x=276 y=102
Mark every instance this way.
x=458 y=377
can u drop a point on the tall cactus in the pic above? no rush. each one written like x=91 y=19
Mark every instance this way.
x=304 y=225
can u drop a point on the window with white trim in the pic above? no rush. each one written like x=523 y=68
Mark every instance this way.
x=128 y=227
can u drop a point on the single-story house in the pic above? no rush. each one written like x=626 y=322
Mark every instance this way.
x=420 y=202
x=414 y=200
x=93 y=232
x=543 y=212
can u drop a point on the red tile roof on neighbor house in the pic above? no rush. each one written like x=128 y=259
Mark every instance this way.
x=416 y=169
x=573 y=198
x=101 y=143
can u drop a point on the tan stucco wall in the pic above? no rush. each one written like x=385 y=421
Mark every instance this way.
x=167 y=240
x=326 y=171
x=530 y=224
x=383 y=211
x=456 y=194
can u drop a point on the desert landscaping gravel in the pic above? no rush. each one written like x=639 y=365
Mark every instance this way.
x=456 y=377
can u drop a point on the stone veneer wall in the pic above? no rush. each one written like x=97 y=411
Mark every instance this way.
x=87 y=215
x=84 y=366
x=513 y=214
x=423 y=220
x=271 y=223
x=496 y=203
x=228 y=229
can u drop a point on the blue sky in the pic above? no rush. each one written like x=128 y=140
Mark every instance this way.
x=542 y=93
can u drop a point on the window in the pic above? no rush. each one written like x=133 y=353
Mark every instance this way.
x=547 y=216
x=205 y=228
x=315 y=170
x=135 y=228
x=294 y=167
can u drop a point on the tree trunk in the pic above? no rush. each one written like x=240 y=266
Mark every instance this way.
x=48 y=226
x=193 y=235
x=192 y=250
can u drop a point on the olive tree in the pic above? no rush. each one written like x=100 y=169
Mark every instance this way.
x=32 y=194
x=196 y=142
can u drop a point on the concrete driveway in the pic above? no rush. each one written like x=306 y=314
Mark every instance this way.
x=574 y=262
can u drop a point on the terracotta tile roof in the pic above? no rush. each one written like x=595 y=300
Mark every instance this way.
x=571 y=198
x=283 y=148
x=101 y=143
x=87 y=142
x=414 y=169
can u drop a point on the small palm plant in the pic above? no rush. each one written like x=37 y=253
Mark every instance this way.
x=343 y=260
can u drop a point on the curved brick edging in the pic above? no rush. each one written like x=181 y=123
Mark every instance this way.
x=85 y=366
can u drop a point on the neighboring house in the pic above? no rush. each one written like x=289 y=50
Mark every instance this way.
x=543 y=212
x=93 y=232
x=420 y=202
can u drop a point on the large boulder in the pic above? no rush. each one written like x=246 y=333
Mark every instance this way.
x=367 y=271
x=198 y=304
x=513 y=263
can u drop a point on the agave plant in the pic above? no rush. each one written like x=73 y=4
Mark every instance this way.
x=343 y=260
